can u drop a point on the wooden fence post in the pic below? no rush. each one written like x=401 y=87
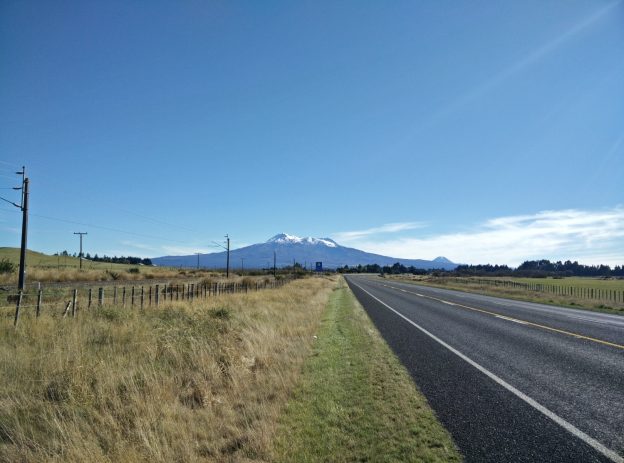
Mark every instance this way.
x=132 y=298
x=74 y=294
x=150 y=296
x=90 y=297
x=142 y=296
x=123 y=297
x=17 y=308
x=115 y=295
x=38 y=311
x=156 y=294
x=101 y=297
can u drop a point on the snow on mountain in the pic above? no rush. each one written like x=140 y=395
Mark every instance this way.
x=284 y=238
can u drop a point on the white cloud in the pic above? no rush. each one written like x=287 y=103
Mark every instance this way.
x=187 y=250
x=387 y=228
x=590 y=237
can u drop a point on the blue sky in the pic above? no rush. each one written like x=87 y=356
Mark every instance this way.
x=483 y=131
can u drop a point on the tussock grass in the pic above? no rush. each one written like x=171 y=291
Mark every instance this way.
x=200 y=382
x=356 y=402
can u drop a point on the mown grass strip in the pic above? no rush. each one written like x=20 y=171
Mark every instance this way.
x=356 y=402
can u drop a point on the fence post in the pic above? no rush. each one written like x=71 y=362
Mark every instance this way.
x=115 y=295
x=142 y=296
x=38 y=303
x=17 y=308
x=123 y=297
x=150 y=296
x=90 y=297
x=74 y=294
x=132 y=298
x=101 y=297
x=156 y=295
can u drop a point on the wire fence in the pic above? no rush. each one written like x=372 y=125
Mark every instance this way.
x=581 y=292
x=67 y=302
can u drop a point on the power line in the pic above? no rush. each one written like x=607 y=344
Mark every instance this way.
x=117 y=230
x=53 y=184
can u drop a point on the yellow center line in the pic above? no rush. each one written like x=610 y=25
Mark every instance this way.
x=524 y=322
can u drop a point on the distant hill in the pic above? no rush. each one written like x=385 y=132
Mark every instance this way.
x=302 y=250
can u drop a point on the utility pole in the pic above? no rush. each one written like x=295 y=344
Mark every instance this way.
x=274 y=264
x=197 y=260
x=80 y=255
x=23 y=206
x=227 y=267
x=22 y=267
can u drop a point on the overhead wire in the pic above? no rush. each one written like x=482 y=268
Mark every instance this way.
x=101 y=227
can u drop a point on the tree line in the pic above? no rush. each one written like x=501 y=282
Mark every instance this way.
x=531 y=268
x=113 y=260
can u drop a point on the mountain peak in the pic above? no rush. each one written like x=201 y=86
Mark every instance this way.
x=442 y=259
x=285 y=238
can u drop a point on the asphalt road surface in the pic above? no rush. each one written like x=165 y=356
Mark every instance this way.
x=511 y=381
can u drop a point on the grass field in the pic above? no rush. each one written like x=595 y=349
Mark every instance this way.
x=45 y=269
x=578 y=282
x=201 y=382
x=38 y=259
x=356 y=402
x=572 y=292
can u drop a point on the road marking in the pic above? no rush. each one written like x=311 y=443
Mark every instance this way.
x=515 y=320
x=524 y=322
x=533 y=403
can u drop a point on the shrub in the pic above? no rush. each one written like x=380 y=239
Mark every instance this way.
x=133 y=270
x=113 y=275
x=6 y=266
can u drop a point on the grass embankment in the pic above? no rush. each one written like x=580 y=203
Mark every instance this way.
x=472 y=285
x=184 y=382
x=65 y=269
x=356 y=402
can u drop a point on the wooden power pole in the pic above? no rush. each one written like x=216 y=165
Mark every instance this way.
x=80 y=255
x=227 y=267
x=22 y=267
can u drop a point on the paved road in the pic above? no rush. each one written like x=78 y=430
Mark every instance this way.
x=511 y=381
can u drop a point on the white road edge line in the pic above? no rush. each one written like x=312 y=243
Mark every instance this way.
x=539 y=407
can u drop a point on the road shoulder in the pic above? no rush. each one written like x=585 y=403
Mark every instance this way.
x=356 y=401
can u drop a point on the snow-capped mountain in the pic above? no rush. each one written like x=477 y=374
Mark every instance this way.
x=305 y=251
x=284 y=238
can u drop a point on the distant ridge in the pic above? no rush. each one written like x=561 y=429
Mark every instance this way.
x=289 y=248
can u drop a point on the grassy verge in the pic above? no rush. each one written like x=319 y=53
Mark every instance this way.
x=521 y=294
x=200 y=382
x=356 y=402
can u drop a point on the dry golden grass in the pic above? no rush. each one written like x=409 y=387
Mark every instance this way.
x=200 y=382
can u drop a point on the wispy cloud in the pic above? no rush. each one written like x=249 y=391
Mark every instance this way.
x=526 y=61
x=142 y=246
x=588 y=236
x=188 y=250
x=387 y=228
